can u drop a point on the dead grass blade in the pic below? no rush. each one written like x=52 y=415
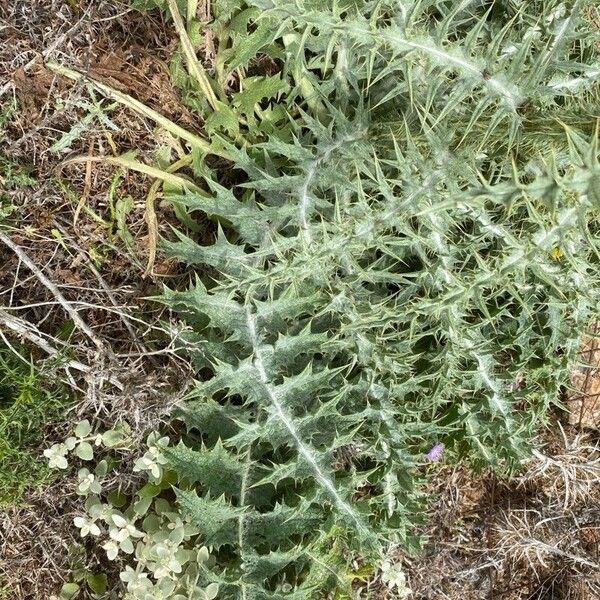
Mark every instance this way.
x=195 y=69
x=86 y=188
x=152 y=224
x=140 y=167
x=150 y=213
x=194 y=140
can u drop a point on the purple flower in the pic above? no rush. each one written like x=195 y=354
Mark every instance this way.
x=436 y=452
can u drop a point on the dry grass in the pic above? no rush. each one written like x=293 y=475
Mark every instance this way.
x=132 y=370
x=534 y=537
x=36 y=545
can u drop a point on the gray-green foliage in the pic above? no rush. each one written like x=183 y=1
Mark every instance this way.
x=411 y=257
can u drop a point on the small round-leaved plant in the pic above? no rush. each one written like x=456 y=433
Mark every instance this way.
x=161 y=554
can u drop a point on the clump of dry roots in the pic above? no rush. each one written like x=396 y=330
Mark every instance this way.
x=554 y=531
x=533 y=537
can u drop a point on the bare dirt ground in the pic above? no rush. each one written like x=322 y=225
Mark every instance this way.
x=535 y=537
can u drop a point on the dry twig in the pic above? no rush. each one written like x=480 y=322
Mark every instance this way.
x=30 y=333
x=77 y=320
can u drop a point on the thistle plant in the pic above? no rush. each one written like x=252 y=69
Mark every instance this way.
x=407 y=265
x=405 y=257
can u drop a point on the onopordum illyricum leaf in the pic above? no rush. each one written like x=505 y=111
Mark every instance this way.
x=406 y=266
